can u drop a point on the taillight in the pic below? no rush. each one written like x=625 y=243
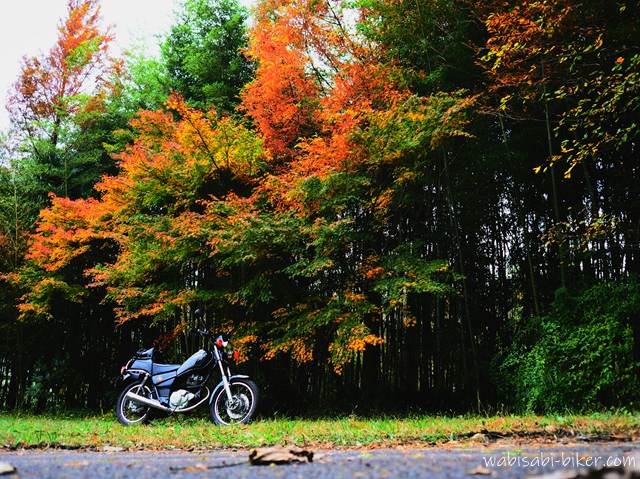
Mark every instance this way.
x=236 y=355
x=219 y=343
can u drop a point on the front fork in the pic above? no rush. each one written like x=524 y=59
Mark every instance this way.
x=225 y=379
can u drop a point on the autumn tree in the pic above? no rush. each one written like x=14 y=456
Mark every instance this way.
x=60 y=120
x=267 y=230
x=59 y=94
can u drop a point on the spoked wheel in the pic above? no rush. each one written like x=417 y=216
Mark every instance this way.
x=242 y=406
x=130 y=411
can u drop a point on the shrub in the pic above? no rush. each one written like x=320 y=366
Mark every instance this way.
x=582 y=355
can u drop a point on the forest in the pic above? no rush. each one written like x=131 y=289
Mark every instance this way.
x=388 y=205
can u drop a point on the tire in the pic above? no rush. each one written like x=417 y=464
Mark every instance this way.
x=246 y=393
x=128 y=411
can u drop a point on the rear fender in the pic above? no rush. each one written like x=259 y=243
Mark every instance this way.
x=221 y=385
x=133 y=376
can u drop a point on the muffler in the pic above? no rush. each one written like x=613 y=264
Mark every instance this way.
x=148 y=402
x=158 y=405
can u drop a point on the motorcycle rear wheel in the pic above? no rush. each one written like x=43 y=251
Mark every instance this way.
x=130 y=412
x=241 y=409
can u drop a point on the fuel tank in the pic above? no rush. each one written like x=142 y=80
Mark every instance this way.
x=199 y=360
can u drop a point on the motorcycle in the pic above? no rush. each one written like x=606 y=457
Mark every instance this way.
x=175 y=388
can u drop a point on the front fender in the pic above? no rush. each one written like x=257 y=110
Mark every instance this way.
x=221 y=385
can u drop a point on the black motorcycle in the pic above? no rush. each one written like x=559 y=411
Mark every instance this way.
x=174 y=388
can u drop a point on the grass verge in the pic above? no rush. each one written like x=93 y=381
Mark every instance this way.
x=29 y=431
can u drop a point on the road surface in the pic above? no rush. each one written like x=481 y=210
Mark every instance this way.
x=381 y=463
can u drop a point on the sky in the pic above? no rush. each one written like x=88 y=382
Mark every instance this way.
x=29 y=27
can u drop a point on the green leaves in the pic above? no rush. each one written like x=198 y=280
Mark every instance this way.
x=603 y=122
x=203 y=53
x=580 y=355
x=405 y=273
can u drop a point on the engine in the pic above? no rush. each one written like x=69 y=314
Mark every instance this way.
x=180 y=398
x=195 y=380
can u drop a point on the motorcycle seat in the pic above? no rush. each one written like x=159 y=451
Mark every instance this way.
x=164 y=368
x=145 y=354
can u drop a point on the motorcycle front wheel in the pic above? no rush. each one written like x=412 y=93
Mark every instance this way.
x=242 y=406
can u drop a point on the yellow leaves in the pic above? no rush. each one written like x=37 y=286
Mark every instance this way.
x=242 y=345
x=504 y=101
x=248 y=339
x=354 y=297
x=567 y=173
x=416 y=116
x=359 y=344
x=359 y=339
x=565 y=149
x=280 y=313
x=177 y=103
x=444 y=268
x=349 y=342
x=298 y=349
x=300 y=352
x=598 y=43
x=32 y=310
x=405 y=176
x=409 y=321
x=383 y=202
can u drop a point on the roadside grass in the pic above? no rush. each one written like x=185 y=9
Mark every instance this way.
x=30 y=431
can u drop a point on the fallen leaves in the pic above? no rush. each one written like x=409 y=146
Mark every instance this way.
x=112 y=449
x=265 y=456
x=6 y=469
x=480 y=471
x=479 y=438
x=618 y=472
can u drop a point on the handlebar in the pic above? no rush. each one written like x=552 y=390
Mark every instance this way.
x=219 y=342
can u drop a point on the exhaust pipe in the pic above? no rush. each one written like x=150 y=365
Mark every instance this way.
x=156 y=404
x=148 y=402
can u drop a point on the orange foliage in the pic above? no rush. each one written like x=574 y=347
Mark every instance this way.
x=374 y=272
x=282 y=98
x=520 y=36
x=48 y=87
x=297 y=347
x=316 y=83
x=64 y=232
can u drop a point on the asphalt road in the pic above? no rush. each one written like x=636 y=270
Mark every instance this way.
x=380 y=463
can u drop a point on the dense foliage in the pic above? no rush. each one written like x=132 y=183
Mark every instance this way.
x=386 y=204
x=203 y=53
x=582 y=354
